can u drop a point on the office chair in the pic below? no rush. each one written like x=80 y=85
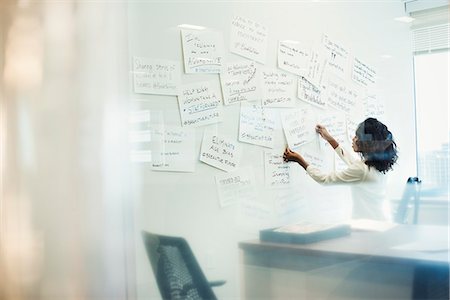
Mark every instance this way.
x=411 y=192
x=431 y=282
x=177 y=272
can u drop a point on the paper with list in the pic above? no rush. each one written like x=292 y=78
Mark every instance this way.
x=293 y=57
x=220 y=152
x=240 y=82
x=344 y=97
x=202 y=51
x=256 y=126
x=179 y=150
x=310 y=93
x=363 y=74
x=277 y=171
x=299 y=127
x=337 y=56
x=199 y=104
x=277 y=88
x=316 y=68
x=335 y=123
x=236 y=186
x=374 y=108
x=316 y=159
x=248 y=39
x=156 y=76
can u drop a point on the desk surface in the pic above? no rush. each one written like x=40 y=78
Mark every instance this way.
x=369 y=245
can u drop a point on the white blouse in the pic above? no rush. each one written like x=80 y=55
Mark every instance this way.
x=368 y=186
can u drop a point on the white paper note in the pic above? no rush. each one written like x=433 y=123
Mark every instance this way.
x=240 y=82
x=277 y=88
x=236 y=186
x=179 y=150
x=248 y=39
x=310 y=93
x=199 y=104
x=220 y=152
x=337 y=56
x=202 y=51
x=255 y=126
x=299 y=127
x=277 y=171
x=156 y=76
x=363 y=74
x=293 y=57
x=344 y=97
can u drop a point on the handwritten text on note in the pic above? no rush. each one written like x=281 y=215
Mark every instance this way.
x=156 y=76
x=293 y=58
x=276 y=169
x=249 y=39
x=199 y=104
x=278 y=88
x=220 y=152
x=299 y=127
x=240 y=82
x=255 y=126
x=202 y=51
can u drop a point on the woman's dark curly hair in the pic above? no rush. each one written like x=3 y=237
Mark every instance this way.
x=376 y=145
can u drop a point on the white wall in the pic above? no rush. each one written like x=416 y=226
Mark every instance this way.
x=186 y=204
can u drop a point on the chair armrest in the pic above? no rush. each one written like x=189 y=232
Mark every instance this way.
x=217 y=283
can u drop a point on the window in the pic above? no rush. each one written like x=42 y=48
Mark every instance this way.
x=432 y=116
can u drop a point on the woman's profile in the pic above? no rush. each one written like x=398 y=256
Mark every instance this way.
x=378 y=151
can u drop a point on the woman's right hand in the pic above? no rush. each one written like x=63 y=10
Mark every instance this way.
x=323 y=132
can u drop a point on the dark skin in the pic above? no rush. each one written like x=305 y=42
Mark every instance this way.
x=290 y=155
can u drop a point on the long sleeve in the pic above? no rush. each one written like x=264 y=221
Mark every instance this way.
x=345 y=155
x=356 y=172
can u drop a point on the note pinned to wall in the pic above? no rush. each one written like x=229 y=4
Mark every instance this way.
x=199 y=104
x=240 y=82
x=236 y=186
x=299 y=127
x=316 y=159
x=293 y=57
x=248 y=39
x=308 y=92
x=363 y=74
x=277 y=88
x=374 y=108
x=179 y=150
x=316 y=68
x=337 y=57
x=156 y=76
x=256 y=126
x=277 y=171
x=202 y=51
x=220 y=152
x=344 y=97
x=335 y=123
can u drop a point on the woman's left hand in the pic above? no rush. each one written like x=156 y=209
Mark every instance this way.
x=290 y=155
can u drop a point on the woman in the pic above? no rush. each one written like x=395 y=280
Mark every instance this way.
x=378 y=151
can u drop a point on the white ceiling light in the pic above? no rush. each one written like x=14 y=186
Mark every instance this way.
x=404 y=19
x=189 y=26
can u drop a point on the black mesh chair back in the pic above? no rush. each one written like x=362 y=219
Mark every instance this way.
x=177 y=272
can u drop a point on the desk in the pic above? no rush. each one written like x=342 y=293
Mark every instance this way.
x=360 y=266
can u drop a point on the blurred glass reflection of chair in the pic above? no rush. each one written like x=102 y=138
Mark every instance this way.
x=410 y=198
x=177 y=272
